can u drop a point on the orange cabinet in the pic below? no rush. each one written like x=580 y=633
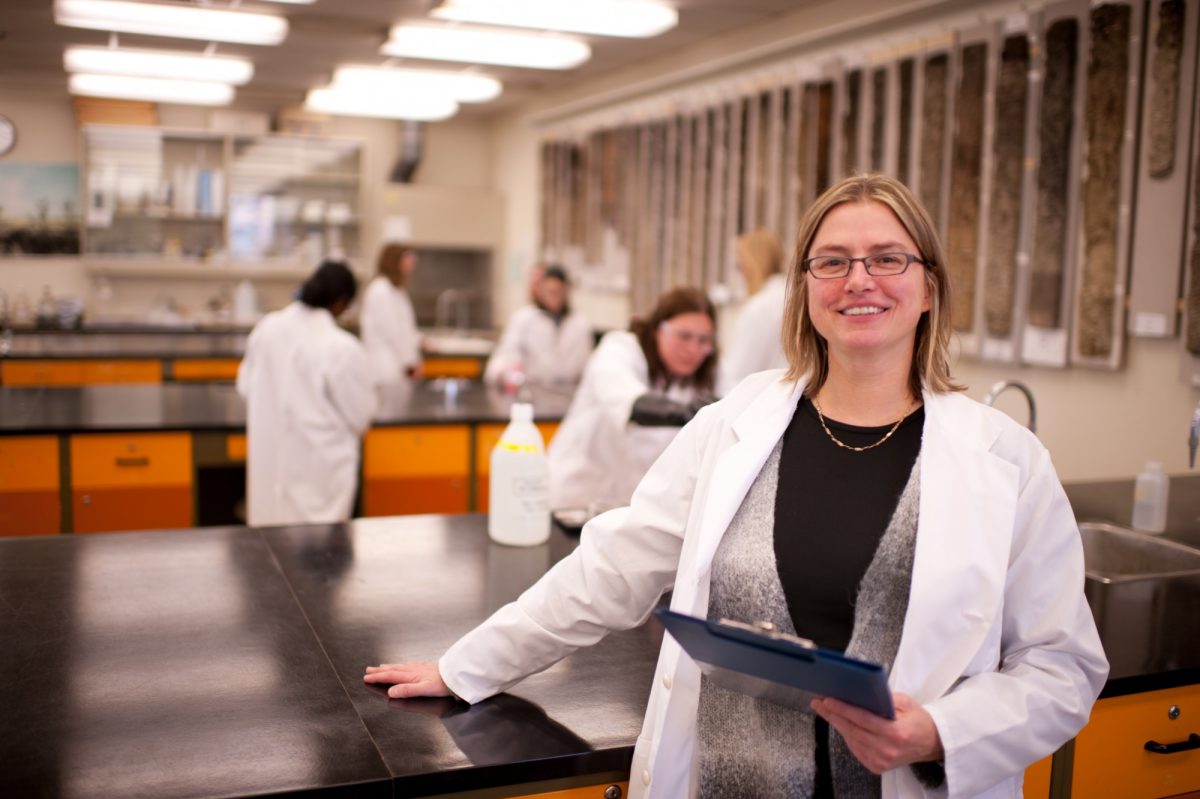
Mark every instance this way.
x=200 y=369
x=1111 y=755
x=418 y=469
x=1037 y=780
x=29 y=486
x=607 y=790
x=486 y=436
x=137 y=481
x=79 y=372
x=469 y=368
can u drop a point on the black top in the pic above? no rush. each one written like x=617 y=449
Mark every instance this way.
x=831 y=508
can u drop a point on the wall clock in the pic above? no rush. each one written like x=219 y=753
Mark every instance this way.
x=8 y=135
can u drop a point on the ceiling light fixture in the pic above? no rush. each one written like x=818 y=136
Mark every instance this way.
x=159 y=90
x=464 y=87
x=344 y=103
x=636 y=18
x=485 y=46
x=158 y=64
x=185 y=22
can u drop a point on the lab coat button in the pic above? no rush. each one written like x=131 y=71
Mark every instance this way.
x=666 y=681
x=645 y=777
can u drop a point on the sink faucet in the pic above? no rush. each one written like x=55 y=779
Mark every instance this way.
x=996 y=389
x=1194 y=437
x=444 y=300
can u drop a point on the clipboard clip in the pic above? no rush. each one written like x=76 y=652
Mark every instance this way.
x=770 y=631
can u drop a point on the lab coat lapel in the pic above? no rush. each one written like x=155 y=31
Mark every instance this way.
x=757 y=429
x=967 y=507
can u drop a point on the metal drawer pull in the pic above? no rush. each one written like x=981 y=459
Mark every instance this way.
x=1192 y=742
x=141 y=460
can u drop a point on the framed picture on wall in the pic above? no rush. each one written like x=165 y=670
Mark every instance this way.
x=39 y=209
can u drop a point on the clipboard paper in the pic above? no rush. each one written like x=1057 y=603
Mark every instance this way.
x=762 y=662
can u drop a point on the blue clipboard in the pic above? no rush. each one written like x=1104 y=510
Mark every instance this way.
x=761 y=661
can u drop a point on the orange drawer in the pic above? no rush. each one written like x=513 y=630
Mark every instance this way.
x=41 y=373
x=1110 y=754
x=235 y=447
x=390 y=496
x=29 y=463
x=127 y=460
x=429 y=451
x=469 y=368
x=105 y=510
x=30 y=513
x=205 y=369
x=122 y=371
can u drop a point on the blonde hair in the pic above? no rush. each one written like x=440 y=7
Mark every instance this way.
x=391 y=258
x=807 y=352
x=761 y=255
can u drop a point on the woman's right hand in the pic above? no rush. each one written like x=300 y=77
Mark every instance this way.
x=420 y=678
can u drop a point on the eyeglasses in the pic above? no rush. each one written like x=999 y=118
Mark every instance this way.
x=827 y=267
x=702 y=340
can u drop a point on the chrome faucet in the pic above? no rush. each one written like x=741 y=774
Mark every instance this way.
x=1194 y=437
x=461 y=309
x=6 y=333
x=996 y=389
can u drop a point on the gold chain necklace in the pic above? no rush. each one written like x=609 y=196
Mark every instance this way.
x=843 y=444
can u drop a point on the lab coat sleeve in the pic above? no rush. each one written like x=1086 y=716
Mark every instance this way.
x=245 y=373
x=625 y=561
x=617 y=375
x=507 y=351
x=997 y=722
x=351 y=388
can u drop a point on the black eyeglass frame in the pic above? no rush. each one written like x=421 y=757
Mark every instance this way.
x=910 y=259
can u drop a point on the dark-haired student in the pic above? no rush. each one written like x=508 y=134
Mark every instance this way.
x=309 y=399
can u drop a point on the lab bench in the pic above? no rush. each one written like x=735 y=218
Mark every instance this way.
x=127 y=457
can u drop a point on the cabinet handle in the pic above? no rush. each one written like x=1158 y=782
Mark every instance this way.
x=1192 y=742
x=141 y=460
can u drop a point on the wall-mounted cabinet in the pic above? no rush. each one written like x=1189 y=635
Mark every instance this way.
x=195 y=195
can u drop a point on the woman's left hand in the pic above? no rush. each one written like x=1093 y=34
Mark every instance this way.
x=880 y=744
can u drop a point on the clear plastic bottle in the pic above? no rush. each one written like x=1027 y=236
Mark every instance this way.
x=519 y=483
x=1150 y=499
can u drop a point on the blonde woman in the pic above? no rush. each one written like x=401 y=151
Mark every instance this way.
x=387 y=323
x=756 y=344
x=860 y=500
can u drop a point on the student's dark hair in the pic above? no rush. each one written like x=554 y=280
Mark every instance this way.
x=333 y=281
x=675 y=303
x=557 y=272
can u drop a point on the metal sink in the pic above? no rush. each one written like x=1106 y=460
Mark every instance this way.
x=1144 y=593
x=1118 y=554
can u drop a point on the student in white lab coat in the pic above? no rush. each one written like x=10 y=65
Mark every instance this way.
x=544 y=342
x=757 y=342
x=855 y=498
x=387 y=322
x=309 y=398
x=640 y=386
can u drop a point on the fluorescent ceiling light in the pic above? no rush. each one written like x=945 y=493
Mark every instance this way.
x=421 y=108
x=186 y=92
x=637 y=18
x=461 y=86
x=186 y=22
x=486 y=46
x=158 y=64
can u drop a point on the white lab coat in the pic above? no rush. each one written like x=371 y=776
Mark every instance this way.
x=389 y=331
x=309 y=398
x=998 y=642
x=597 y=455
x=546 y=352
x=757 y=341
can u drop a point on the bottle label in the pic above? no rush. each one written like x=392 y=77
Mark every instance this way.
x=511 y=447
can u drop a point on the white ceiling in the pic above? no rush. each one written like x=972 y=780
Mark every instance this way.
x=332 y=32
